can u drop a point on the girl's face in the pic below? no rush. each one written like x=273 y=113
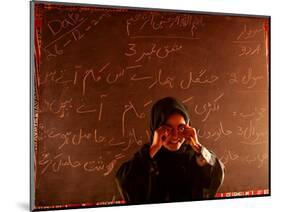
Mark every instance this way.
x=175 y=125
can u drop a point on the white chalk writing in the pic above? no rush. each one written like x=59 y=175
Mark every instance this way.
x=248 y=79
x=258 y=159
x=251 y=136
x=91 y=73
x=200 y=79
x=206 y=109
x=158 y=22
x=63 y=161
x=133 y=139
x=214 y=134
x=169 y=81
x=249 y=51
x=257 y=113
x=247 y=34
x=91 y=136
x=62 y=109
x=127 y=108
x=158 y=52
x=75 y=32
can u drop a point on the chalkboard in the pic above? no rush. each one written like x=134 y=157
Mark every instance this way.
x=98 y=70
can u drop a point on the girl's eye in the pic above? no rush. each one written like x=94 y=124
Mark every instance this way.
x=167 y=129
x=181 y=128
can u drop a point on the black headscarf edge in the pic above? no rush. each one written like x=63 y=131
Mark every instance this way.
x=162 y=109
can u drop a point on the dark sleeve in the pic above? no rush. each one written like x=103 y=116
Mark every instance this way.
x=207 y=179
x=134 y=177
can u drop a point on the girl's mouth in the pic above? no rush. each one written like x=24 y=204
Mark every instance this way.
x=175 y=141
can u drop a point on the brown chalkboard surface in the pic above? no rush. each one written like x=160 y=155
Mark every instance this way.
x=97 y=72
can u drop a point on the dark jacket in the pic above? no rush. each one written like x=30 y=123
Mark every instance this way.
x=169 y=176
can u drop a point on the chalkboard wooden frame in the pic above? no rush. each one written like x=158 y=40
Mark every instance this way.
x=246 y=87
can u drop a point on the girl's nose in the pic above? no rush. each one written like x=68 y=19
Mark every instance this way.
x=174 y=133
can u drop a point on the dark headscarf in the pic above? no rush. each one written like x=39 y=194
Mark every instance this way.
x=162 y=109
